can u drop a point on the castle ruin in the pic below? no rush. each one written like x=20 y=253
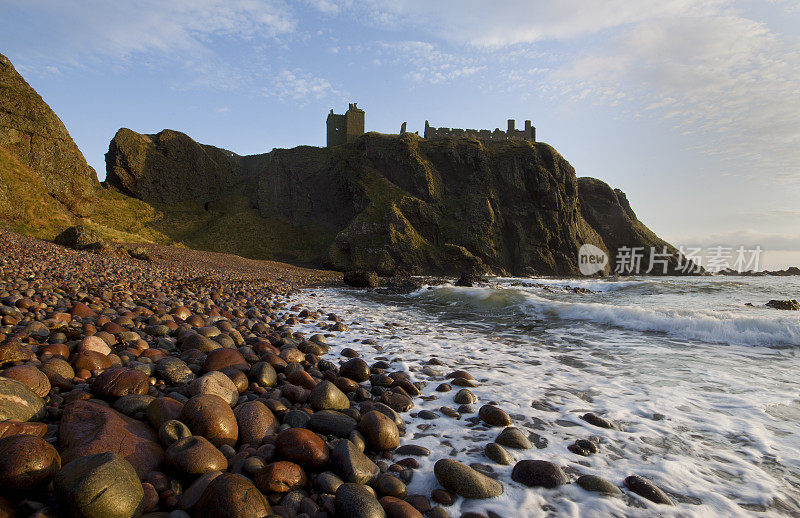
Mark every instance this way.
x=529 y=133
x=343 y=129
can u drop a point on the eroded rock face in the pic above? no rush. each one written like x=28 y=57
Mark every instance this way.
x=169 y=167
x=608 y=211
x=35 y=134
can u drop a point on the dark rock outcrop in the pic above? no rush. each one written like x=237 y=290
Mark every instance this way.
x=30 y=130
x=170 y=167
x=608 y=211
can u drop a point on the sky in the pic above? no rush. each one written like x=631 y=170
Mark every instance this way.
x=691 y=107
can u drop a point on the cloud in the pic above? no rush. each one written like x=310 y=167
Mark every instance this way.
x=703 y=67
x=425 y=63
x=300 y=86
x=82 y=30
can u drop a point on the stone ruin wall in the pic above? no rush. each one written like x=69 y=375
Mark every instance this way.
x=529 y=133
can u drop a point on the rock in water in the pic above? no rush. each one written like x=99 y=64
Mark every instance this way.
x=103 y=485
x=786 y=305
x=646 y=489
x=303 y=447
x=88 y=428
x=538 y=473
x=465 y=481
x=361 y=279
x=18 y=402
x=598 y=485
x=356 y=501
x=494 y=416
x=513 y=437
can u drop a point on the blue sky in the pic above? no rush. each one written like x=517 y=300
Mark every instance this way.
x=692 y=107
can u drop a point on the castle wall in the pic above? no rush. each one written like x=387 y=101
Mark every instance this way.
x=529 y=133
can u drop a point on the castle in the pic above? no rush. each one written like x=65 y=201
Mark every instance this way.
x=343 y=129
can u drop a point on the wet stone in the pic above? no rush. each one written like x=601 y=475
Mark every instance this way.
x=494 y=416
x=498 y=454
x=465 y=481
x=464 y=397
x=538 y=473
x=597 y=484
x=646 y=489
x=596 y=420
x=194 y=456
x=330 y=422
x=513 y=437
x=351 y=464
x=356 y=501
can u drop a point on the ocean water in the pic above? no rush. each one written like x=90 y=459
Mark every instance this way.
x=706 y=390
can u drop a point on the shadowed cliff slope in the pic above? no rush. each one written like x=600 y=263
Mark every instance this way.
x=30 y=130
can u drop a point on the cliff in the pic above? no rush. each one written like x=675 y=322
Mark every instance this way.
x=386 y=203
x=402 y=203
x=32 y=132
x=389 y=203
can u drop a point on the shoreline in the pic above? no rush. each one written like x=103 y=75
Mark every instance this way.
x=147 y=339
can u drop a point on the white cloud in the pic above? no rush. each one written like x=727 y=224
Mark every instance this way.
x=81 y=29
x=426 y=63
x=300 y=86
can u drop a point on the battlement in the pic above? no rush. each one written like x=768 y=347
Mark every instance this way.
x=529 y=133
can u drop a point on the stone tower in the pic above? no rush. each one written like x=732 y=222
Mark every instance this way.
x=343 y=129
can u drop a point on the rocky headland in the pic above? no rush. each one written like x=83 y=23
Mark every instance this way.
x=390 y=204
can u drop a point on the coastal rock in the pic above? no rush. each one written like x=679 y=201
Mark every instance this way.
x=174 y=371
x=30 y=376
x=597 y=484
x=379 y=430
x=302 y=447
x=361 y=279
x=355 y=369
x=118 y=382
x=397 y=508
x=34 y=134
x=356 y=501
x=498 y=454
x=464 y=397
x=221 y=359
x=646 y=489
x=326 y=396
x=18 y=402
x=351 y=464
x=195 y=456
x=330 y=422
x=102 y=485
x=232 y=496
x=598 y=421
x=217 y=384
x=26 y=462
x=538 y=473
x=88 y=428
x=465 y=481
x=513 y=437
x=255 y=421
x=211 y=417
x=280 y=477
x=494 y=416
x=786 y=305
x=8 y=428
